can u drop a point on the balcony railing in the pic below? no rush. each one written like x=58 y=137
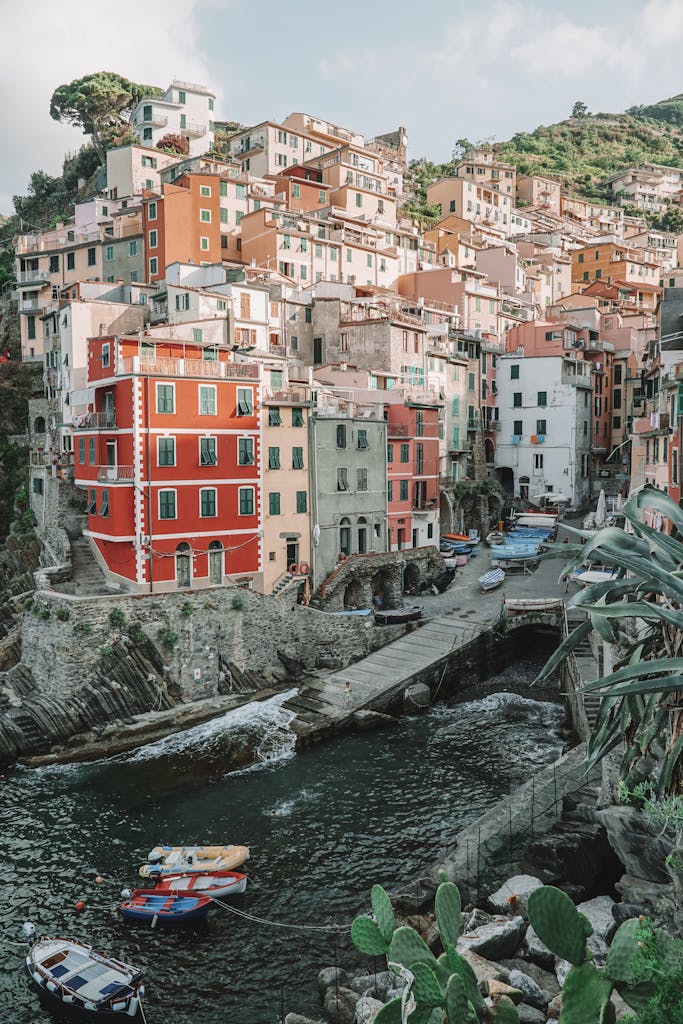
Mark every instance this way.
x=156 y=120
x=168 y=367
x=277 y=350
x=32 y=276
x=193 y=128
x=95 y=421
x=30 y=305
x=115 y=474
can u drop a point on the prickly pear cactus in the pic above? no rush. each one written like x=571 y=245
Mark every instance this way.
x=367 y=937
x=407 y=948
x=586 y=996
x=390 y=1013
x=448 y=907
x=622 y=950
x=458 y=965
x=426 y=987
x=456 y=1000
x=504 y=1012
x=558 y=923
x=383 y=911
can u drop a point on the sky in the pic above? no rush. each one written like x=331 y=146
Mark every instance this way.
x=444 y=69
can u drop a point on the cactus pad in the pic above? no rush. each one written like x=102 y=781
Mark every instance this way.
x=390 y=1013
x=367 y=937
x=585 y=996
x=558 y=923
x=504 y=1012
x=407 y=948
x=456 y=1000
x=622 y=950
x=447 y=906
x=426 y=988
x=383 y=911
x=458 y=965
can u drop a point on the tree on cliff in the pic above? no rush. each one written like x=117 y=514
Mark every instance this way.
x=101 y=104
x=580 y=109
x=172 y=143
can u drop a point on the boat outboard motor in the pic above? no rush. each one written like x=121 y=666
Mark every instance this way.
x=28 y=932
x=126 y=894
x=155 y=857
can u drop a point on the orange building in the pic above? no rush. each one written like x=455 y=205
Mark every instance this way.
x=619 y=265
x=412 y=474
x=169 y=456
x=182 y=224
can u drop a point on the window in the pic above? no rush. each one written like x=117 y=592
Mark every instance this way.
x=207 y=399
x=517 y=399
x=54 y=264
x=321 y=197
x=517 y=428
x=205 y=190
x=207 y=451
x=274 y=418
x=541 y=426
x=342 y=478
x=147 y=134
x=71 y=261
x=207 y=502
x=181 y=96
x=296 y=191
x=183 y=121
x=152 y=211
x=362 y=439
x=390 y=453
x=345 y=536
x=617 y=373
x=182 y=301
x=204 y=243
x=403 y=490
x=37 y=485
x=91 y=507
x=390 y=490
x=166 y=451
x=405 y=453
x=133 y=248
x=359 y=198
x=273 y=458
x=205 y=216
x=246 y=501
x=81 y=450
x=197 y=334
x=109 y=253
x=153 y=239
x=167 y=505
x=470 y=382
x=301 y=501
x=538 y=461
x=341 y=435
x=245 y=402
x=274 y=503
x=297 y=458
x=153 y=266
x=514 y=371
x=297 y=417
x=276 y=379
x=245 y=451
x=165 y=398
x=542 y=398
x=31 y=328
x=362 y=479
x=91 y=450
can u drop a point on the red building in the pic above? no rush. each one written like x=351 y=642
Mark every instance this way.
x=412 y=475
x=169 y=456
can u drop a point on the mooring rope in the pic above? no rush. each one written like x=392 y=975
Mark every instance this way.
x=280 y=924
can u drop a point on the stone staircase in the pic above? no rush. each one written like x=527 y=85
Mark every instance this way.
x=587 y=666
x=86 y=575
x=284 y=583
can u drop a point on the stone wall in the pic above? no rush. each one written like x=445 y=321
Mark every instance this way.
x=359 y=577
x=196 y=633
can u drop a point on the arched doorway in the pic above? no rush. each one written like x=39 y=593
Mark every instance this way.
x=216 y=562
x=183 y=565
x=382 y=589
x=362 y=535
x=506 y=479
x=39 y=425
x=489 y=451
x=354 y=596
x=345 y=536
x=411 y=579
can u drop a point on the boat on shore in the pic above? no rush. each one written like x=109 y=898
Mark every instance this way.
x=533 y=604
x=492 y=579
x=395 y=616
x=184 y=859
x=153 y=907
x=495 y=537
x=213 y=883
x=585 y=577
x=75 y=977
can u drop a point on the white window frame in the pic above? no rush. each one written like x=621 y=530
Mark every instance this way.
x=106 y=355
x=153 y=233
x=211 y=389
x=174 y=492
x=163 y=384
x=205 y=191
x=208 y=437
x=152 y=211
x=239 y=501
x=237 y=402
x=204 y=243
x=215 y=502
x=165 y=437
x=202 y=218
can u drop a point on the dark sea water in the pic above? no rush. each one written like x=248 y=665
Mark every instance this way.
x=323 y=826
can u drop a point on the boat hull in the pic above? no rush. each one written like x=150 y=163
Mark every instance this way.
x=491 y=580
x=82 y=983
x=397 y=616
x=171 y=910
x=220 y=883
x=175 y=860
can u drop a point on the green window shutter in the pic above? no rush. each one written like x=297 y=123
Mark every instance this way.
x=274 y=419
x=208 y=502
x=273 y=458
x=301 y=501
x=274 y=503
x=297 y=458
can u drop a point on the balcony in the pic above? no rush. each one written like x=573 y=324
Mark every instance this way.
x=115 y=474
x=277 y=350
x=194 y=129
x=288 y=396
x=95 y=421
x=31 y=305
x=26 y=277
x=215 y=369
x=155 y=119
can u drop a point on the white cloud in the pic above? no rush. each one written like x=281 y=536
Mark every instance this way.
x=47 y=43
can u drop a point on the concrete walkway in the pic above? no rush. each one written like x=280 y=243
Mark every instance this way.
x=454 y=618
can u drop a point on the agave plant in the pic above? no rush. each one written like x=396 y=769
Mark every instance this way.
x=640 y=612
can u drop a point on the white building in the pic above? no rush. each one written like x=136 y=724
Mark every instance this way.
x=184 y=109
x=544 y=439
x=130 y=169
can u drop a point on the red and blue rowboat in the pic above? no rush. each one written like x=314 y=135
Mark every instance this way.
x=165 y=908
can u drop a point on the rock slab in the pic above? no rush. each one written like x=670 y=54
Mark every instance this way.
x=496 y=940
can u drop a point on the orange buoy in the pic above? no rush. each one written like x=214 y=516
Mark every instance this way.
x=98 y=879
x=80 y=905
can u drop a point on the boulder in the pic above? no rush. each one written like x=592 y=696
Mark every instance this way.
x=637 y=845
x=555 y=1008
x=599 y=912
x=485 y=970
x=538 y=951
x=331 y=976
x=512 y=896
x=340 y=1005
x=500 y=988
x=531 y=990
x=472 y=919
x=561 y=971
x=385 y=985
x=367 y=1009
x=365 y=721
x=416 y=698
x=499 y=938
x=530 y=1015
x=546 y=981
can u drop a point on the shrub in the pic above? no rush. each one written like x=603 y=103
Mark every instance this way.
x=237 y=603
x=83 y=628
x=166 y=637
x=62 y=613
x=117 y=619
x=186 y=609
x=41 y=613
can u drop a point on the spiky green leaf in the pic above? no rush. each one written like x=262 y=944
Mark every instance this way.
x=367 y=937
x=447 y=908
x=383 y=911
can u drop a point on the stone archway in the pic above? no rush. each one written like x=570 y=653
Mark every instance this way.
x=489 y=451
x=354 y=595
x=39 y=425
x=386 y=588
x=411 y=579
x=506 y=478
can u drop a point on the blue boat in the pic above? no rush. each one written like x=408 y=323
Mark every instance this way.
x=165 y=908
x=491 y=580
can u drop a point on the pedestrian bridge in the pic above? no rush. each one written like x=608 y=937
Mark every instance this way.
x=520 y=613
